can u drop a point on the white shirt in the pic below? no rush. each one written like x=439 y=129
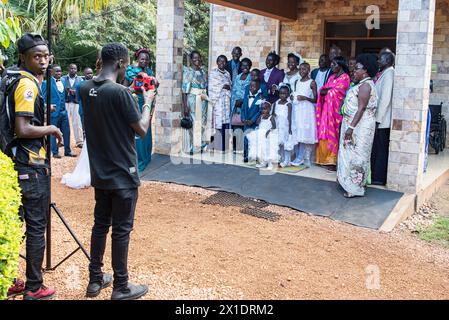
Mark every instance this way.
x=320 y=77
x=60 y=85
x=251 y=100
x=267 y=74
x=72 y=81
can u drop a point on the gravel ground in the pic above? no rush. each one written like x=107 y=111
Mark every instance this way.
x=187 y=250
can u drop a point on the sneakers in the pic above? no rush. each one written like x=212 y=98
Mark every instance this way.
x=307 y=163
x=297 y=163
x=16 y=289
x=270 y=166
x=131 y=292
x=94 y=288
x=283 y=164
x=262 y=165
x=43 y=293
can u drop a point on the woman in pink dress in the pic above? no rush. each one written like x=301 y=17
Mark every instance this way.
x=328 y=115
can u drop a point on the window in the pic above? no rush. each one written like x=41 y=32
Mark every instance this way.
x=353 y=37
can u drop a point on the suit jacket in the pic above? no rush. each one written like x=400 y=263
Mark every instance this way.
x=276 y=77
x=66 y=81
x=251 y=112
x=57 y=98
x=229 y=68
x=384 y=90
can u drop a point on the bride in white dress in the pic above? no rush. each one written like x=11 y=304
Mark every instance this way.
x=80 y=177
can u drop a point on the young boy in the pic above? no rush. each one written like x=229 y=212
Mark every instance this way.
x=255 y=74
x=250 y=112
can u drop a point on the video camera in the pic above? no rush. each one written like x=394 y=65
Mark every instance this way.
x=143 y=79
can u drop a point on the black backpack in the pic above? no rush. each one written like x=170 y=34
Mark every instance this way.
x=7 y=84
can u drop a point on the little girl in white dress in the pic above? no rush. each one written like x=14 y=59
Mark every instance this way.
x=304 y=116
x=282 y=109
x=263 y=142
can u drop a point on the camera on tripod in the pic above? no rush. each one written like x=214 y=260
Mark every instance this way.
x=144 y=80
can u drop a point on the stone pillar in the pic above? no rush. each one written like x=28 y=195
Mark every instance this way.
x=411 y=94
x=169 y=53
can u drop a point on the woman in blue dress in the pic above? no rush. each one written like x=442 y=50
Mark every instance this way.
x=239 y=85
x=144 y=146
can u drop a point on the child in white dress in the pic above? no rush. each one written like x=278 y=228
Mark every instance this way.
x=263 y=142
x=304 y=116
x=282 y=109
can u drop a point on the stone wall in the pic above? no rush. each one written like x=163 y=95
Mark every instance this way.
x=256 y=35
x=441 y=57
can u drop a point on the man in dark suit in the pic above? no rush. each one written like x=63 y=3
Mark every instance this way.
x=272 y=76
x=250 y=112
x=234 y=66
x=59 y=116
x=321 y=75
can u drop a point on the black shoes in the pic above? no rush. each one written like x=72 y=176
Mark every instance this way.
x=94 y=288
x=132 y=292
x=57 y=156
x=71 y=155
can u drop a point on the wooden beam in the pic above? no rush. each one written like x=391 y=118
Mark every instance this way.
x=286 y=10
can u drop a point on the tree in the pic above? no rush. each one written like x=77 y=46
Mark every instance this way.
x=196 y=28
x=9 y=29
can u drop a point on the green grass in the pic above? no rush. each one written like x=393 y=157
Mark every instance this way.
x=438 y=232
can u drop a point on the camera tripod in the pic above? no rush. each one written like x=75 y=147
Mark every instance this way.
x=52 y=205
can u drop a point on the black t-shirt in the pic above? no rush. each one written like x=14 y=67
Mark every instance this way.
x=109 y=109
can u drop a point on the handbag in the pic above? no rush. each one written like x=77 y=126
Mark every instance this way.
x=236 y=119
x=186 y=123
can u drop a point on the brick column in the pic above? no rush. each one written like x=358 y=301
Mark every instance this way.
x=411 y=94
x=169 y=51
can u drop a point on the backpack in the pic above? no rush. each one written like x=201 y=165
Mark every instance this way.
x=7 y=84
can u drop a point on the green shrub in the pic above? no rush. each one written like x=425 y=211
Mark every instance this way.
x=10 y=224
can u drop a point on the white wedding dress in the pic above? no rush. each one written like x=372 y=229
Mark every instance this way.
x=80 y=177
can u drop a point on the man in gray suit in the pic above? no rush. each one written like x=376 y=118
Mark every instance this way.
x=384 y=88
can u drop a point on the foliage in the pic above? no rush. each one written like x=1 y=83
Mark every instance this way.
x=437 y=232
x=10 y=224
x=80 y=29
x=9 y=28
x=196 y=28
x=132 y=23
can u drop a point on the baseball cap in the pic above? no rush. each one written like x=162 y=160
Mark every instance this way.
x=29 y=40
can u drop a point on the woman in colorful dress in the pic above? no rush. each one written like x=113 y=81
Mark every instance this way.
x=144 y=146
x=358 y=127
x=220 y=100
x=239 y=85
x=195 y=107
x=328 y=115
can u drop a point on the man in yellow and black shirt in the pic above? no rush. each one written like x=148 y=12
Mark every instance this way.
x=29 y=155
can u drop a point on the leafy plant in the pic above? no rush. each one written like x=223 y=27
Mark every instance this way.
x=10 y=224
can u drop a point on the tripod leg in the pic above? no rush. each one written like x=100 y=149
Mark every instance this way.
x=80 y=245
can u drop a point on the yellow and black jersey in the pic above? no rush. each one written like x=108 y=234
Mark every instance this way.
x=26 y=101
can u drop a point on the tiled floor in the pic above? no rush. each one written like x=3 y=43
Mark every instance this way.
x=437 y=165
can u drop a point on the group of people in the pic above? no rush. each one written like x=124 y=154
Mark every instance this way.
x=112 y=119
x=340 y=111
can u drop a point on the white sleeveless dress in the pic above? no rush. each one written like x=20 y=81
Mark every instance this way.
x=260 y=147
x=285 y=139
x=304 y=116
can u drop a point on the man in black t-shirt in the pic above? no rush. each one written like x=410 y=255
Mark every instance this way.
x=112 y=119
